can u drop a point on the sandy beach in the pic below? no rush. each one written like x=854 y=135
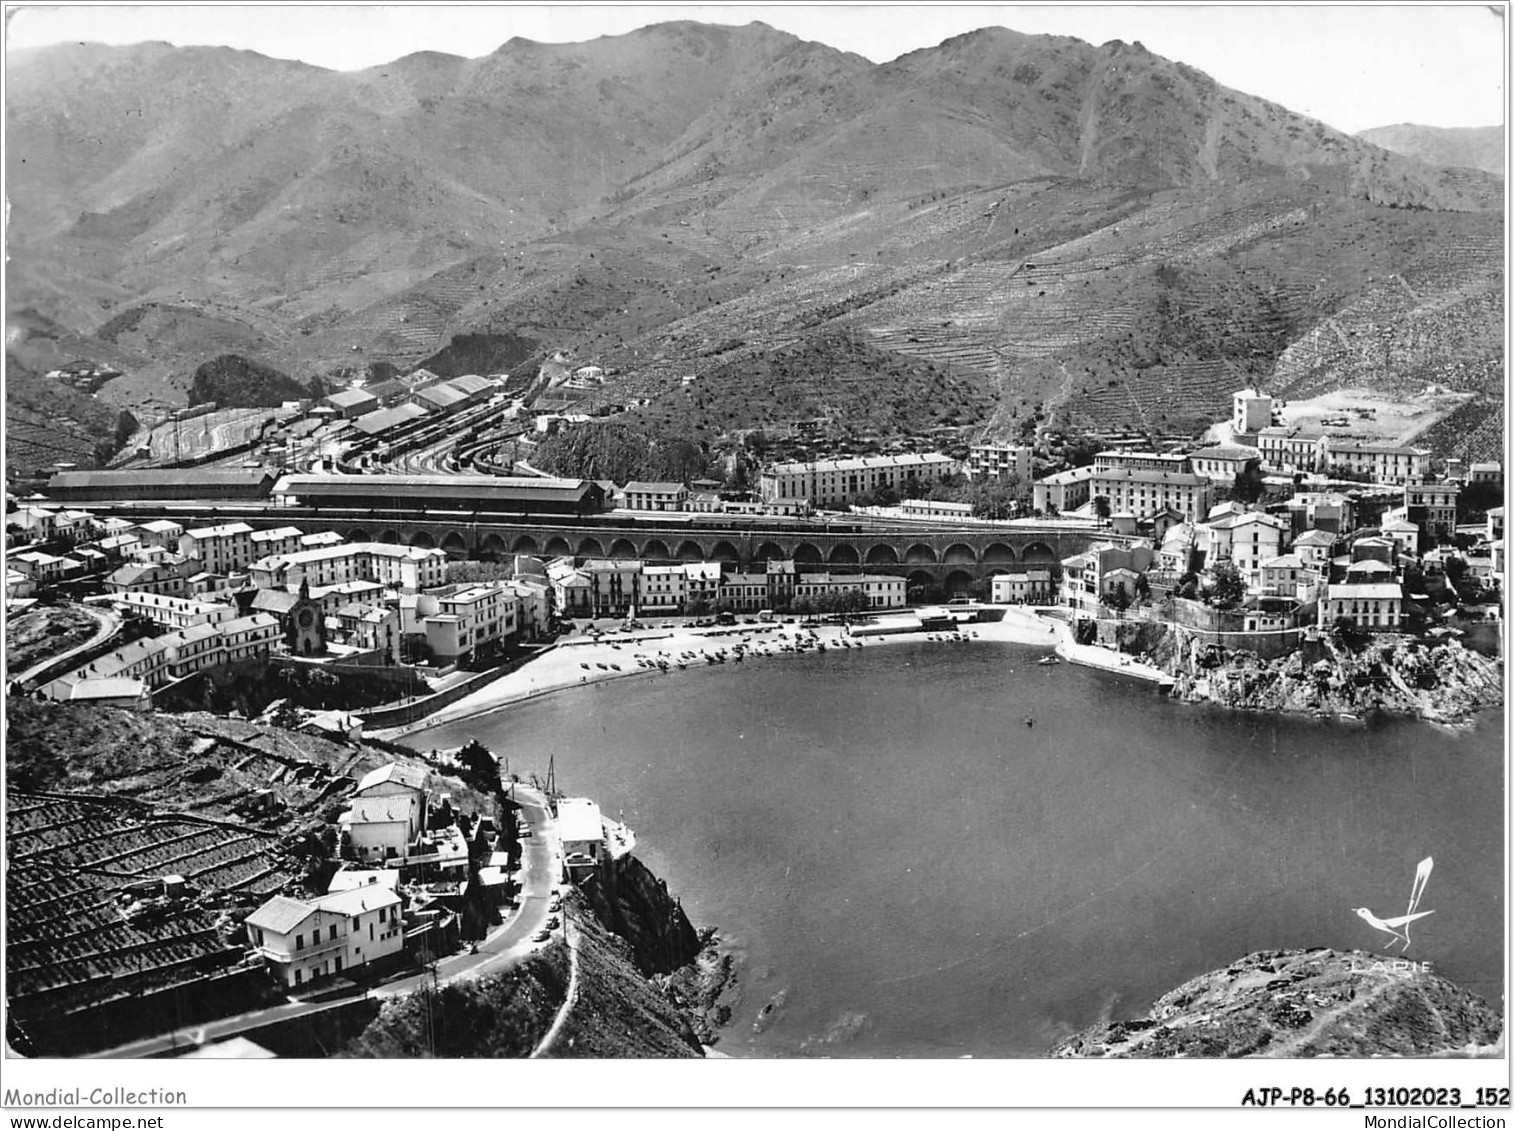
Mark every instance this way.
x=579 y=661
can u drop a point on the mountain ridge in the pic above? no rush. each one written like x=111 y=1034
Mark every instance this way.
x=648 y=199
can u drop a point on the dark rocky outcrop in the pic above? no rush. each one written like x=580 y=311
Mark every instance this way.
x=235 y=382
x=1304 y=1003
x=628 y=899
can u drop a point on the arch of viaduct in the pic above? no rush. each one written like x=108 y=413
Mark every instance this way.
x=956 y=560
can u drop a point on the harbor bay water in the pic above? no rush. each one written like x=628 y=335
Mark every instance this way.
x=937 y=850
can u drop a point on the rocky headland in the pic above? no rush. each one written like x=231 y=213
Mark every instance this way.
x=1304 y=1003
x=1442 y=683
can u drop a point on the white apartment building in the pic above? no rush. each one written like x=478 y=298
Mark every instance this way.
x=37 y=566
x=221 y=549
x=1144 y=493
x=1290 y=449
x=665 y=589
x=832 y=483
x=1223 y=463
x=1373 y=605
x=249 y=636
x=641 y=496
x=702 y=581
x=879 y=591
x=1251 y=412
x=472 y=620
x=174 y=612
x=999 y=461
x=1384 y=463
x=406 y=568
x=1030 y=587
x=1246 y=540
x=1288 y=575
x=1062 y=490
x=1116 y=459
x=280 y=540
x=161 y=532
x=305 y=940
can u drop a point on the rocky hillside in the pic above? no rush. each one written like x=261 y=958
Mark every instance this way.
x=47 y=422
x=1443 y=683
x=1304 y=1003
x=1477 y=147
x=616 y=1011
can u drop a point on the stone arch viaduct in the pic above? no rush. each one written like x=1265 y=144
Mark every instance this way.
x=953 y=560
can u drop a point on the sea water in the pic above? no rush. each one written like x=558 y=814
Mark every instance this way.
x=936 y=850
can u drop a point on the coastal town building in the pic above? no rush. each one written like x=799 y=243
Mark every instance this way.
x=279 y=540
x=1381 y=462
x=1030 y=587
x=173 y=612
x=1289 y=449
x=367 y=628
x=1251 y=412
x=1315 y=548
x=406 y=568
x=664 y=589
x=1432 y=509
x=1486 y=472
x=1062 y=491
x=475 y=621
x=387 y=813
x=615 y=585
x=640 y=496
x=880 y=591
x=221 y=549
x=161 y=532
x=302 y=941
x=581 y=830
x=1288 y=575
x=1144 y=492
x=1323 y=510
x=572 y=589
x=935 y=509
x=1119 y=459
x=1101 y=569
x=41 y=523
x=999 y=461
x=1376 y=606
x=41 y=568
x=1223 y=463
x=832 y=483
x=1246 y=540
x=157 y=660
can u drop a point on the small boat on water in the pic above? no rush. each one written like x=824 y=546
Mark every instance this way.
x=583 y=665
x=1048 y=661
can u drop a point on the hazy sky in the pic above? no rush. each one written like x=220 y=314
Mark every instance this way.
x=1350 y=66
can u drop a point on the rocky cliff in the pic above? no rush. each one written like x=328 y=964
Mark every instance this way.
x=1304 y=1003
x=629 y=900
x=1444 y=683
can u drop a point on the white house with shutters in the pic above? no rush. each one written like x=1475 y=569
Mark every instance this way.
x=303 y=940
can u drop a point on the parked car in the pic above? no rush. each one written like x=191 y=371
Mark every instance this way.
x=541 y=936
